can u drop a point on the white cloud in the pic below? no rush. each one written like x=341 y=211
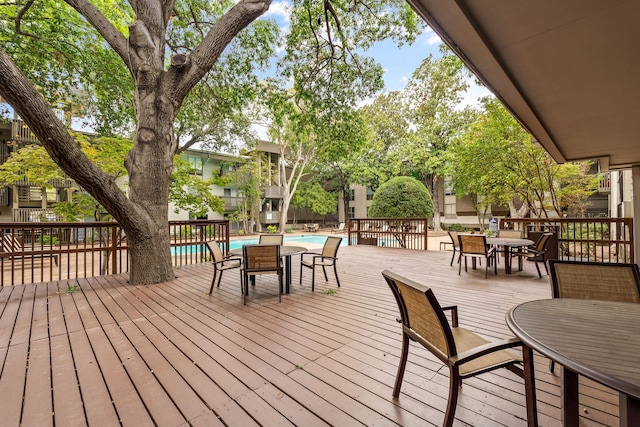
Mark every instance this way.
x=279 y=10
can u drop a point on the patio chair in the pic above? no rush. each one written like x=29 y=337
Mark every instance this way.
x=507 y=234
x=326 y=258
x=465 y=353
x=221 y=262
x=594 y=281
x=536 y=253
x=455 y=244
x=339 y=228
x=259 y=260
x=271 y=239
x=475 y=246
x=12 y=246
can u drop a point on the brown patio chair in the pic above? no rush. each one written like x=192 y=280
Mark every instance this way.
x=221 y=262
x=507 y=234
x=475 y=246
x=537 y=252
x=465 y=353
x=258 y=260
x=326 y=258
x=594 y=280
x=456 y=245
x=271 y=239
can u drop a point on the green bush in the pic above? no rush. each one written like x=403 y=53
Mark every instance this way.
x=288 y=230
x=402 y=197
x=272 y=228
x=457 y=227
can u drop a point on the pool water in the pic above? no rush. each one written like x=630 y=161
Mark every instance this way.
x=237 y=244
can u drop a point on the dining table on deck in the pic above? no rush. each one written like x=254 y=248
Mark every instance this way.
x=507 y=243
x=286 y=252
x=596 y=339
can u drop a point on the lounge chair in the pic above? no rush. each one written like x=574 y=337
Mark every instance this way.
x=325 y=259
x=221 y=262
x=339 y=228
x=464 y=352
x=11 y=245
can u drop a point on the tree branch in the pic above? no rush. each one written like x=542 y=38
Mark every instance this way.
x=212 y=46
x=112 y=36
x=63 y=149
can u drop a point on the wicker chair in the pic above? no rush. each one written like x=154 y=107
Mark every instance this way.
x=326 y=258
x=271 y=239
x=594 y=280
x=221 y=262
x=464 y=352
x=537 y=252
x=258 y=260
x=475 y=246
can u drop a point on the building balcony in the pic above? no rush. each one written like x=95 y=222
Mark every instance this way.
x=232 y=203
x=273 y=192
x=270 y=217
x=605 y=183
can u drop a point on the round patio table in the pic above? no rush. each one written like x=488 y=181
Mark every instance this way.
x=507 y=243
x=596 y=339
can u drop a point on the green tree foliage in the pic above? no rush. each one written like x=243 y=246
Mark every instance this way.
x=495 y=162
x=191 y=192
x=402 y=197
x=314 y=197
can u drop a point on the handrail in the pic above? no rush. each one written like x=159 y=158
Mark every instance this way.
x=44 y=251
x=586 y=239
x=408 y=233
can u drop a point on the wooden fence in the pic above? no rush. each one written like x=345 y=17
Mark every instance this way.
x=409 y=233
x=586 y=239
x=44 y=251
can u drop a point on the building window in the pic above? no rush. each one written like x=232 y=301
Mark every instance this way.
x=227 y=192
x=369 y=193
x=352 y=212
x=352 y=197
x=196 y=164
x=448 y=187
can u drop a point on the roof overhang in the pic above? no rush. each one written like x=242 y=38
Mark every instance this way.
x=568 y=70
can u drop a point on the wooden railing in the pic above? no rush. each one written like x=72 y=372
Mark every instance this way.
x=408 y=233
x=46 y=251
x=586 y=239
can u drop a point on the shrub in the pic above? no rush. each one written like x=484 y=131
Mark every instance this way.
x=402 y=197
x=288 y=230
x=457 y=227
x=272 y=228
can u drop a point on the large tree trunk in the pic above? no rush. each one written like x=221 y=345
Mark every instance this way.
x=436 y=203
x=159 y=92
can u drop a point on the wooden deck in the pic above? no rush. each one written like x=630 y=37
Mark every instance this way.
x=171 y=355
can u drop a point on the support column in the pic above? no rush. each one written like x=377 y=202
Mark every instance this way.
x=635 y=185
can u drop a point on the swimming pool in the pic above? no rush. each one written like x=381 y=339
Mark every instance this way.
x=237 y=244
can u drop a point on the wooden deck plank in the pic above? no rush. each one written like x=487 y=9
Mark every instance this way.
x=170 y=354
x=38 y=406
x=12 y=383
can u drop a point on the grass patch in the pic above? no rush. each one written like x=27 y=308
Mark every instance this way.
x=329 y=292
